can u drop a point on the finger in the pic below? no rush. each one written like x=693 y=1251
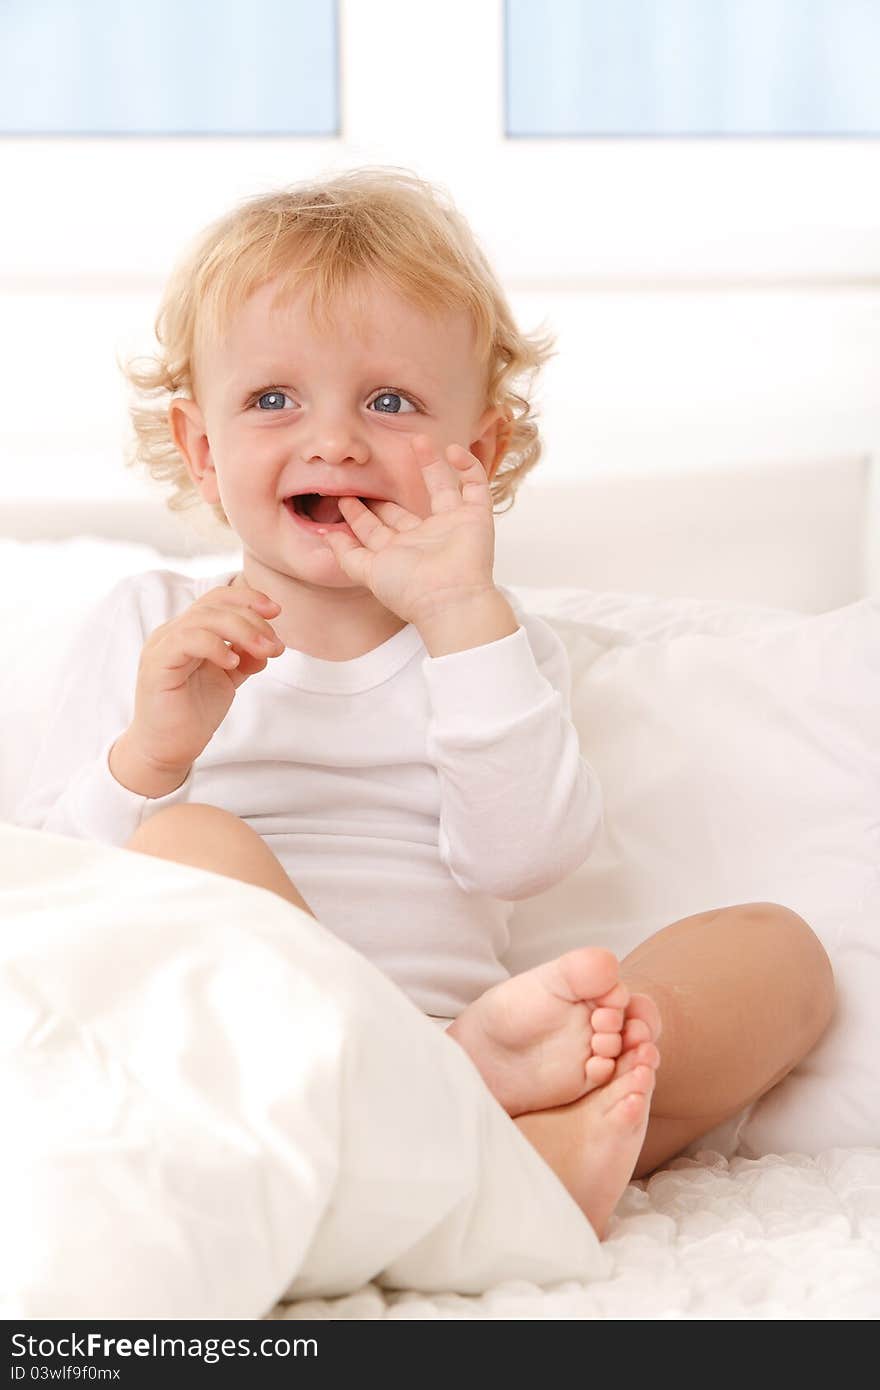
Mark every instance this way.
x=393 y=515
x=247 y=665
x=370 y=530
x=352 y=557
x=240 y=596
x=473 y=478
x=190 y=649
x=234 y=616
x=244 y=631
x=440 y=479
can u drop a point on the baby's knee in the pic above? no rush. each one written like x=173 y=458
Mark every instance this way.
x=806 y=967
x=183 y=821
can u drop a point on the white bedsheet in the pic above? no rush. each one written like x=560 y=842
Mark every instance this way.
x=778 y=1237
x=212 y=1103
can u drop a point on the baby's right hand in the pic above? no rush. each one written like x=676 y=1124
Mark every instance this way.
x=187 y=676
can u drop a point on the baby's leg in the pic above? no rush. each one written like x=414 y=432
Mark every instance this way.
x=591 y=1145
x=744 y=994
x=210 y=838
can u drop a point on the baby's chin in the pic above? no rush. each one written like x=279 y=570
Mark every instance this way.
x=320 y=571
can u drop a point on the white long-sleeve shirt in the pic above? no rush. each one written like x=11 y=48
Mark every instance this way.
x=411 y=799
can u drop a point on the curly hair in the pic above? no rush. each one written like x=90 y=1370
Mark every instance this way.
x=325 y=234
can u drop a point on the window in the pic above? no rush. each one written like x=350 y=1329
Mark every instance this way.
x=172 y=67
x=692 y=67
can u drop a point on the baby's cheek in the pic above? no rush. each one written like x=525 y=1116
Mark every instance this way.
x=416 y=499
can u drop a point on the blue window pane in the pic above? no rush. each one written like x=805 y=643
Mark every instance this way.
x=692 y=67
x=266 y=67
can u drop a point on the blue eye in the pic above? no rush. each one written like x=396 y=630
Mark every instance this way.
x=277 y=397
x=393 y=409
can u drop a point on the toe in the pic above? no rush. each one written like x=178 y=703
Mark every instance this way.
x=643 y=1007
x=639 y=1081
x=589 y=972
x=641 y=1078
x=606 y=1044
x=616 y=998
x=606 y=1020
x=635 y=1032
x=598 y=1070
x=633 y=1106
x=645 y=1055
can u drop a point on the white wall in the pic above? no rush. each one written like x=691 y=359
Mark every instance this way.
x=715 y=302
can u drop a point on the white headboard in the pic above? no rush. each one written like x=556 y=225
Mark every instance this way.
x=791 y=534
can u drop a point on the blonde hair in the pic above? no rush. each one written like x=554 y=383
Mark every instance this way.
x=326 y=234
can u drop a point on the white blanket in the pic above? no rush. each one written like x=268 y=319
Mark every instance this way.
x=212 y=1104
x=216 y=1110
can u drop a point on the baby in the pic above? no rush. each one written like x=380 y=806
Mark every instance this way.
x=359 y=718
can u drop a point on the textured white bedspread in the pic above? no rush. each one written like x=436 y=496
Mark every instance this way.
x=776 y=1237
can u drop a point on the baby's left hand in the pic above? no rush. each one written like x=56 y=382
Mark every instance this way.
x=420 y=566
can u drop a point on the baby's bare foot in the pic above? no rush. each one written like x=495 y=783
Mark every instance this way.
x=593 y=1145
x=550 y=1035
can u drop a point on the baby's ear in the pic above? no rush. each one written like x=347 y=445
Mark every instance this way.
x=493 y=443
x=505 y=430
x=187 y=426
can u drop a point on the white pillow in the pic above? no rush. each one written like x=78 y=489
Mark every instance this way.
x=46 y=590
x=739 y=755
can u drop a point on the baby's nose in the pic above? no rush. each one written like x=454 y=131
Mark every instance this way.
x=337 y=446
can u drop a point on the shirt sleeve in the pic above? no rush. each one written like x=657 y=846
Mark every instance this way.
x=520 y=808
x=71 y=790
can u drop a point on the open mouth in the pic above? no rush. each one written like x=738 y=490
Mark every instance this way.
x=316 y=509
